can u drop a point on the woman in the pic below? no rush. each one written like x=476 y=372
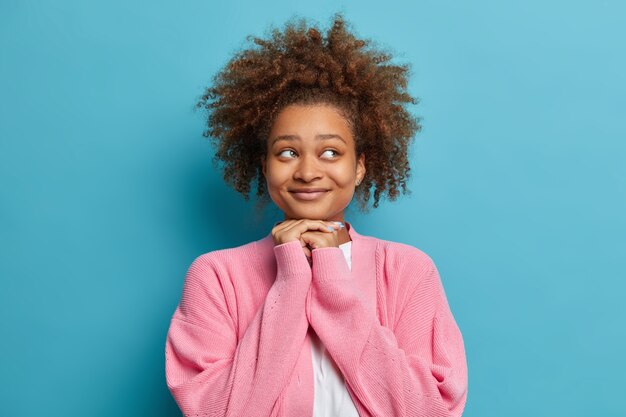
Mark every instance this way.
x=314 y=319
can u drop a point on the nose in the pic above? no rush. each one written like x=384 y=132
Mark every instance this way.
x=308 y=169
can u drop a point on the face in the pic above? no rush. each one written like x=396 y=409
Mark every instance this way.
x=311 y=167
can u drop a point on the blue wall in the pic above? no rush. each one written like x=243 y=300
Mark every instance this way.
x=108 y=192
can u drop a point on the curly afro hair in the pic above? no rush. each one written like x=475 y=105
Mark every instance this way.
x=300 y=65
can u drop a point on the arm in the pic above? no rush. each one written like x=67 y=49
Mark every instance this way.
x=418 y=369
x=208 y=372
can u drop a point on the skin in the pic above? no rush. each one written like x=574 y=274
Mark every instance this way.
x=312 y=147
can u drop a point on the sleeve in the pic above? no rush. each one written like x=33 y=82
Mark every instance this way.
x=208 y=371
x=418 y=369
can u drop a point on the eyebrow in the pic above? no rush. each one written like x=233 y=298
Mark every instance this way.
x=326 y=136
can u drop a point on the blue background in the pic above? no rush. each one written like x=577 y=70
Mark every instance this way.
x=108 y=192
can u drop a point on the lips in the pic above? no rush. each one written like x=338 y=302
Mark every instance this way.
x=308 y=194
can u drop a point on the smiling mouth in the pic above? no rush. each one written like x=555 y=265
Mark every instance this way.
x=308 y=195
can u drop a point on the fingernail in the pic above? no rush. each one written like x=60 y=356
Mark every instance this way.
x=330 y=229
x=341 y=225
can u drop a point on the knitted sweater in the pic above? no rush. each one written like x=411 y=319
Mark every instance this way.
x=238 y=342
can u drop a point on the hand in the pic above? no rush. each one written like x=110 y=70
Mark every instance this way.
x=312 y=234
x=315 y=240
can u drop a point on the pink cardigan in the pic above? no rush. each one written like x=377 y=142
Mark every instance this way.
x=238 y=342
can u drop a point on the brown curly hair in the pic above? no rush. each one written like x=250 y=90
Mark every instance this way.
x=299 y=65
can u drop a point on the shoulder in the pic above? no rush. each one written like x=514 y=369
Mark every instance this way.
x=222 y=259
x=402 y=255
x=404 y=266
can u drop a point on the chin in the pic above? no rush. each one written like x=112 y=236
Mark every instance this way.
x=310 y=214
x=303 y=213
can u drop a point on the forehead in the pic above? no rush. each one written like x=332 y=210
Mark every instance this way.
x=310 y=121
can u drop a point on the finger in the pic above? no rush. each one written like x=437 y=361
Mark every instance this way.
x=286 y=224
x=305 y=225
x=317 y=240
x=310 y=239
x=292 y=229
x=281 y=227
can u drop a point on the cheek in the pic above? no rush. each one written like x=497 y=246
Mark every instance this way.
x=344 y=175
x=274 y=176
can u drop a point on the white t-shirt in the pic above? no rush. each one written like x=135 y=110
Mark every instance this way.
x=331 y=398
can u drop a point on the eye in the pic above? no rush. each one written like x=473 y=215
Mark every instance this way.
x=287 y=153
x=330 y=153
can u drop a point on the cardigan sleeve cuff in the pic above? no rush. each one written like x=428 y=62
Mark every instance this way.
x=290 y=260
x=329 y=264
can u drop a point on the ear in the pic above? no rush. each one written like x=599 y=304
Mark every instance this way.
x=263 y=165
x=360 y=167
